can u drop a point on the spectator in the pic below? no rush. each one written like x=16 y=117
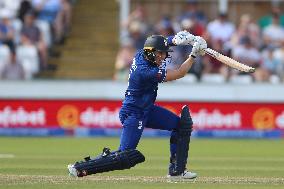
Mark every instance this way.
x=192 y=26
x=137 y=31
x=6 y=30
x=33 y=36
x=249 y=28
x=49 y=11
x=65 y=19
x=191 y=12
x=13 y=70
x=266 y=20
x=124 y=60
x=165 y=27
x=274 y=33
x=137 y=26
x=220 y=29
x=270 y=65
x=25 y=7
x=247 y=53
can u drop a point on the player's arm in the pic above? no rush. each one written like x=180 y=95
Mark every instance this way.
x=197 y=50
x=181 y=71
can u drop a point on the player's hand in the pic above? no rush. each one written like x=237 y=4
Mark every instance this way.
x=198 y=47
x=184 y=38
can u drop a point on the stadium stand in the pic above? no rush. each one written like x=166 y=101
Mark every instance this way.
x=31 y=29
x=213 y=78
x=90 y=51
x=236 y=33
x=241 y=79
x=189 y=78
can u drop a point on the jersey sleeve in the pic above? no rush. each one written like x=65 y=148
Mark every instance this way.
x=170 y=40
x=156 y=75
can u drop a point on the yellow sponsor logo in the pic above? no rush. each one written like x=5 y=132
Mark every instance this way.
x=68 y=116
x=263 y=118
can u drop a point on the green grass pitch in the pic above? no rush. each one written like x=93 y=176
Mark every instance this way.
x=223 y=164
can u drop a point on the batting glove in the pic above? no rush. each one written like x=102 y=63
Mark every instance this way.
x=184 y=38
x=198 y=47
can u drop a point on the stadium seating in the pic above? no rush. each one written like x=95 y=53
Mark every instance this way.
x=241 y=79
x=274 y=79
x=188 y=78
x=213 y=78
x=91 y=48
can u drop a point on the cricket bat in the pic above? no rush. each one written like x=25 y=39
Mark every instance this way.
x=229 y=61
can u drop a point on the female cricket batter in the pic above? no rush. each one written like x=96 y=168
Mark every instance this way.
x=139 y=111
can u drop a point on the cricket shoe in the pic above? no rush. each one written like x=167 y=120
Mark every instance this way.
x=185 y=175
x=72 y=171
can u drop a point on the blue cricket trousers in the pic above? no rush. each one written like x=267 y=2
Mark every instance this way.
x=134 y=123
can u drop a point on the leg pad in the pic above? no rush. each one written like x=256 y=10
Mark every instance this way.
x=182 y=140
x=108 y=162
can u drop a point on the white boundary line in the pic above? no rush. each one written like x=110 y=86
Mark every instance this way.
x=7 y=156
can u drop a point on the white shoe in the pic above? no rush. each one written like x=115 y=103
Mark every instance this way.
x=72 y=171
x=185 y=175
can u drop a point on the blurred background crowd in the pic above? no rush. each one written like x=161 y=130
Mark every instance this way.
x=30 y=31
x=257 y=43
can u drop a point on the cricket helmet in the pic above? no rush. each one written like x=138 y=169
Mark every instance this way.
x=155 y=43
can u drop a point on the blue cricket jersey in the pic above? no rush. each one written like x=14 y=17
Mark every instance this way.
x=143 y=82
